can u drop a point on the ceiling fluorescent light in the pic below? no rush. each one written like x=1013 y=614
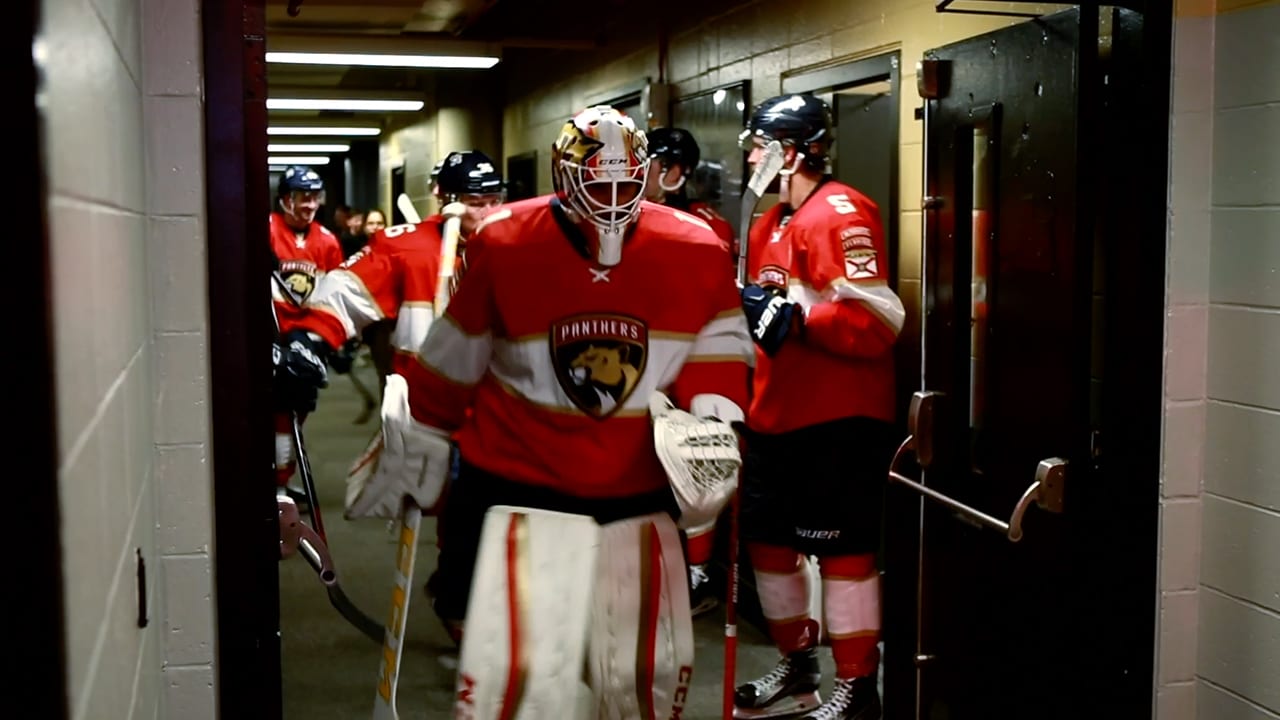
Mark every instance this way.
x=309 y=148
x=467 y=62
x=343 y=104
x=336 y=131
x=297 y=160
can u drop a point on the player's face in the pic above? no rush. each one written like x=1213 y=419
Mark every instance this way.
x=301 y=207
x=478 y=208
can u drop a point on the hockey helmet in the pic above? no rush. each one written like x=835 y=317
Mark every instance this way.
x=800 y=120
x=468 y=172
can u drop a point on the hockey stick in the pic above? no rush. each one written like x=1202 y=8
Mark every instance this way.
x=311 y=542
x=731 y=610
x=406 y=208
x=296 y=536
x=766 y=170
x=384 y=705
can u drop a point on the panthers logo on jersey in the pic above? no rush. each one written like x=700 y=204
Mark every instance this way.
x=299 y=278
x=599 y=359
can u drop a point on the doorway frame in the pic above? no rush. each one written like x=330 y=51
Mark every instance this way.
x=246 y=518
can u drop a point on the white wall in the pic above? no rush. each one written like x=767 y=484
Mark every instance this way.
x=123 y=147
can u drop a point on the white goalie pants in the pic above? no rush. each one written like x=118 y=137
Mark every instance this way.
x=572 y=620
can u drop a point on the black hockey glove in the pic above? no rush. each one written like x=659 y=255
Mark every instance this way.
x=299 y=359
x=771 y=317
x=342 y=360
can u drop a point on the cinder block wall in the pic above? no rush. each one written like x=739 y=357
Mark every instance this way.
x=124 y=147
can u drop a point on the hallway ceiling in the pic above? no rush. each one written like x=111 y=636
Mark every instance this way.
x=529 y=33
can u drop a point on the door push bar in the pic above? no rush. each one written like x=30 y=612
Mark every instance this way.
x=1045 y=491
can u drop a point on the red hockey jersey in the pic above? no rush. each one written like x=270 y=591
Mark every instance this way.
x=556 y=356
x=303 y=258
x=718 y=224
x=393 y=277
x=829 y=256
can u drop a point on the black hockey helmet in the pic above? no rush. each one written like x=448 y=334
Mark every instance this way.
x=299 y=178
x=801 y=120
x=468 y=172
x=674 y=145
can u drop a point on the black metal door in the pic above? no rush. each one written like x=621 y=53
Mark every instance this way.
x=1006 y=601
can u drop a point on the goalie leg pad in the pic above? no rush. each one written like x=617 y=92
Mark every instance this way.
x=524 y=647
x=640 y=661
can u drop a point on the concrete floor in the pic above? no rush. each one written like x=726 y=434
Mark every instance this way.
x=330 y=669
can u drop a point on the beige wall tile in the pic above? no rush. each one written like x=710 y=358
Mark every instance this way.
x=1247 y=49
x=1178 y=619
x=1243 y=347
x=171 y=29
x=1184 y=431
x=1239 y=649
x=1192 y=152
x=1176 y=702
x=1193 y=63
x=1189 y=251
x=185 y=523
x=175 y=164
x=1245 y=264
x=1186 y=338
x=181 y=408
x=1239 y=550
x=1179 y=544
x=1241 y=454
x=189 y=693
x=1218 y=703
x=188 y=625
x=1246 y=156
x=179 y=288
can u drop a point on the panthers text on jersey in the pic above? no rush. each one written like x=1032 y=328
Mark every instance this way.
x=829 y=256
x=556 y=356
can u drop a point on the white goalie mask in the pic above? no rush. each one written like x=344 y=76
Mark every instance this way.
x=599 y=164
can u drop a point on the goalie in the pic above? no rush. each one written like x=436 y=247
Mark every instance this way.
x=577 y=309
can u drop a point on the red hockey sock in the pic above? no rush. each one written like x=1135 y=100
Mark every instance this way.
x=851 y=604
x=783 y=589
x=701 y=542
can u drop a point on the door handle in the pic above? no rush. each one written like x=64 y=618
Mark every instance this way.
x=1045 y=491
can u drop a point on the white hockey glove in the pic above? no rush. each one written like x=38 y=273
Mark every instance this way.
x=700 y=453
x=413 y=462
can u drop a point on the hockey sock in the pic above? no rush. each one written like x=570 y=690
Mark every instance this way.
x=851 y=601
x=285 y=454
x=784 y=596
x=700 y=543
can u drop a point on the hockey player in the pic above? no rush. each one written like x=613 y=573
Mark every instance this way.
x=677 y=154
x=304 y=250
x=824 y=321
x=577 y=308
x=392 y=278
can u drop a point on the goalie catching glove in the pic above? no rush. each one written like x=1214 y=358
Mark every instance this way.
x=699 y=452
x=413 y=462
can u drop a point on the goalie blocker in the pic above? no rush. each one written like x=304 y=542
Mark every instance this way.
x=533 y=650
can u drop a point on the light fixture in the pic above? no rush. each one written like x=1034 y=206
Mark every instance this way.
x=335 y=131
x=463 y=62
x=298 y=160
x=381 y=51
x=308 y=148
x=310 y=98
x=317 y=103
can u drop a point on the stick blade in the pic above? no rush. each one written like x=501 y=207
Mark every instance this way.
x=766 y=170
x=407 y=209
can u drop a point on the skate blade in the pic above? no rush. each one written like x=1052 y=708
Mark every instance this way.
x=794 y=705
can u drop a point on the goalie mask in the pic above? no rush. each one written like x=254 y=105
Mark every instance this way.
x=801 y=121
x=598 y=167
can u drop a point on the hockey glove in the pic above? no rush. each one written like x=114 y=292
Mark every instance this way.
x=771 y=317
x=342 y=360
x=299 y=360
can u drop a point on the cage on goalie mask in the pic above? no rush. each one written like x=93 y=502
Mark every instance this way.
x=598 y=168
x=701 y=458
